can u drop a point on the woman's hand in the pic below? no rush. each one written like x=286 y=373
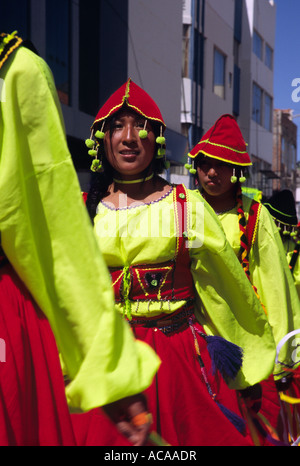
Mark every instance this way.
x=131 y=417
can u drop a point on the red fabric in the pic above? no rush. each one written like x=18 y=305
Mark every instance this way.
x=134 y=97
x=33 y=408
x=184 y=413
x=223 y=141
x=284 y=417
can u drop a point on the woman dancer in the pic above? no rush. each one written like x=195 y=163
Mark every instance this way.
x=47 y=242
x=220 y=160
x=175 y=277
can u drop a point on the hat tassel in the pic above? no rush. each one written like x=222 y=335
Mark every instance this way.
x=161 y=151
x=190 y=166
x=94 y=147
x=233 y=179
x=242 y=178
x=143 y=133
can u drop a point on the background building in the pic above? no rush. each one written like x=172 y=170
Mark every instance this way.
x=284 y=150
x=228 y=68
x=93 y=46
x=198 y=59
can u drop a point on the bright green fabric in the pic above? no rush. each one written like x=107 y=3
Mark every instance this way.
x=48 y=239
x=270 y=274
x=289 y=247
x=225 y=303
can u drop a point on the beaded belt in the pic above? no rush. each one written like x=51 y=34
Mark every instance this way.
x=166 y=323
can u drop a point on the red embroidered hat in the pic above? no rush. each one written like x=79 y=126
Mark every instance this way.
x=134 y=97
x=223 y=141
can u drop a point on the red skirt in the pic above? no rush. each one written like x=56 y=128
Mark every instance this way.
x=282 y=415
x=33 y=407
x=184 y=412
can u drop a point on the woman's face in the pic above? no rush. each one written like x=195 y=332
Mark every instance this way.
x=127 y=153
x=215 y=176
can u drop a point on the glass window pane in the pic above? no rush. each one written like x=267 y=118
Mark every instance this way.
x=268 y=113
x=219 y=74
x=269 y=57
x=57 y=45
x=257 y=104
x=257 y=45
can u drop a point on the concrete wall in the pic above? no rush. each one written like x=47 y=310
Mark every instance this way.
x=155 y=53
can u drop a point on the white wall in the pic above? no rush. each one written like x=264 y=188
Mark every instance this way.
x=219 y=22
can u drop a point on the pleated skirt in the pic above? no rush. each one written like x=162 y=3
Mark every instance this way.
x=184 y=405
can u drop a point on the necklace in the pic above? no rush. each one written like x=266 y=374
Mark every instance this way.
x=134 y=181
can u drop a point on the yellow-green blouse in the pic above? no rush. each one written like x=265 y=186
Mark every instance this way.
x=289 y=247
x=225 y=303
x=47 y=236
x=269 y=273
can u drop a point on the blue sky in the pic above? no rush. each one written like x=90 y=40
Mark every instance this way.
x=287 y=58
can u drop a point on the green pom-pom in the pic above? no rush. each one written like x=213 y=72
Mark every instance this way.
x=161 y=152
x=96 y=165
x=167 y=164
x=89 y=143
x=92 y=152
x=143 y=133
x=188 y=166
x=160 y=140
x=99 y=134
x=293 y=234
x=286 y=232
x=193 y=171
x=242 y=179
x=182 y=196
x=233 y=179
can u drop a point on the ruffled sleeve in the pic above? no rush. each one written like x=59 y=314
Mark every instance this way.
x=274 y=282
x=225 y=302
x=47 y=236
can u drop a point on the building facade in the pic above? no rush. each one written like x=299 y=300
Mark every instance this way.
x=284 y=150
x=228 y=49
x=93 y=46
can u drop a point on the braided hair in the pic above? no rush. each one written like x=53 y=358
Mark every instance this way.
x=243 y=254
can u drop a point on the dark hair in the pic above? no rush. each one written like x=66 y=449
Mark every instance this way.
x=100 y=181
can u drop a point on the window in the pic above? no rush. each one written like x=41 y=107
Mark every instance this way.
x=57 y=45
x=257 y=45
x=257 y=104
x=185 y=50
x=89 y=48
x=198 y=66
x=219 y=74
x=269 y=57
x=268 y=113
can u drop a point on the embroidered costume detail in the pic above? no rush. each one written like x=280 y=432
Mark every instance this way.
x=164 y=282
x=8 y=43
x=133 y=96
x=223 y=141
